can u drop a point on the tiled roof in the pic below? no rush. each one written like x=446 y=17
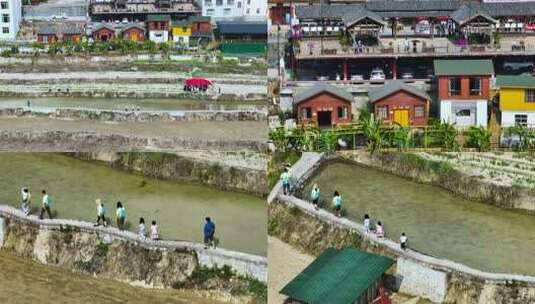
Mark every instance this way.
x=393 y=87
x=463 y=67
x=321 y=88
x=158 y=18
x=515 y=81
x=47 y=30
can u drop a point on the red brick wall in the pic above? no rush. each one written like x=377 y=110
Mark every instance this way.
x=403 y=100
x=443 y=88
x=201 y=27
x=98 y=35
x=158 y=25
x=323 y=102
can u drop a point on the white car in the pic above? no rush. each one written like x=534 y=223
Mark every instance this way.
x=357 y=79
x=377 y=76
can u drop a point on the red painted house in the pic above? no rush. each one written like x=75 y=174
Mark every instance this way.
x=397 y=102
x=73 y=33
x=464 y=90
x=103 y=32
x=47 y=34
x=323 y=105
x=133 y=32
x=200 y=24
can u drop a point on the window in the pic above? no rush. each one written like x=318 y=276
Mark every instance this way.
x=4 y=5
x=248 y=11
x=5 y=18
x=454 y=86
x=210 y=11
x=419 y=111
x=208 y=2
x=382 y=112
x=307 y=113
x=248 y=2
x=342 y=112
x=5 y=30
x=258 y=11
x=218 y=2
x=475 y=86
x=463 y=113
x=530 y=95
x=227 y=11
x=239 y=4
x=521 y=119
x=230 y=2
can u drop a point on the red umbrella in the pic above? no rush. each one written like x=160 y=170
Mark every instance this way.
x=198 y=82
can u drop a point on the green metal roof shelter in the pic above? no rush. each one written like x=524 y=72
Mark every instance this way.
x=463 y=67
x=338 y=277
x=515 y=81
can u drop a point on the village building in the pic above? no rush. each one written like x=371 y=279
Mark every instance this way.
x=159 y=27
x=464 y=90
x=516 y=97
x=400 y=103
x=340 y=277
x=235 y=9
x=133 y=32
x=201 y=29
x=181 y=32
x=242 y=37
x=323 y=105
x=140 y=10
x=47 y=34
x=10 y=17
x=73 y=33
x=103 y=32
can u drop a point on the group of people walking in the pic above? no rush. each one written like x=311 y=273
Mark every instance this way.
x=315 y=196
x=120 y=218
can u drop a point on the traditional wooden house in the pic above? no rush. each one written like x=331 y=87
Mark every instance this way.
x=464 y=90
x=159 y=27
x=133 y=32
x=201 y=28
x=516 y=97
x=323 y=105
x=73 y=33
x=103 y=32
x=340 y=277
x=47 y=34
x=399 y=103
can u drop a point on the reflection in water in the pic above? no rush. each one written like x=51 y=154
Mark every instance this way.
x=178 y=208
x=119 y=104
x=436 y=222
x=23 y=281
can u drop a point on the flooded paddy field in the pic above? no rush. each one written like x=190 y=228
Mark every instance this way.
x=179 y=208
x=437 y=222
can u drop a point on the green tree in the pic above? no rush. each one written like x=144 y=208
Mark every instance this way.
x=446 y=134
x=401 y=137
x=279 y=139
x=479 y=137
x=525 y=137
x=374 y=132
x=328 y=141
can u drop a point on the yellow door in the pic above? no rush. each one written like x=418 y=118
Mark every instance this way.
x=401 y=117
x=134 y=36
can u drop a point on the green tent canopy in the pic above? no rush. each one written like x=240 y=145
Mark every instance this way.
x=337 y=277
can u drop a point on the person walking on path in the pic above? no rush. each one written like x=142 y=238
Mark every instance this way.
x=141 y=230
x=154 y=233
x=403 y=241
x=209 y=232
x=25 y=199
x=101 y=213
x=337 y=203
x=367 y=223
x=379 y=230
x=45 y=206
x=285 y=178
x=315 y=196
x=120 y=214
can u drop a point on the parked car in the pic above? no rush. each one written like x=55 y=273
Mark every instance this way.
x=356 y=79
x=377 y=76
x=323 y=78
x=407 y=76
x=518 y=66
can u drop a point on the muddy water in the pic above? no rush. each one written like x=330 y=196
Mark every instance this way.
x=23 y=281
x=436 y=222
x=51 y=104
x=179 y=208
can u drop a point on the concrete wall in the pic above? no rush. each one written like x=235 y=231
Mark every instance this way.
x=61 y=141
x=43 y=239
x=508 y=118
x=292 y=219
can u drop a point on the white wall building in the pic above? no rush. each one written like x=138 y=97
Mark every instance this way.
x=10 y=18
x=464 y=112
x=159 y=36
x=232 y=9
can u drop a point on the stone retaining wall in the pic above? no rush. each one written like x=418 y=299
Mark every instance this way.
x=138 y=116
x=120 y=255
x=61 y=141
x=297 y=222
x=182 y=168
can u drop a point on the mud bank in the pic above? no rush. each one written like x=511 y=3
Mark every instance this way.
x=123 y=256
x=442 y=175
x=138 y=116
x=63 y=141
x=177 y=167
x=296 y=222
